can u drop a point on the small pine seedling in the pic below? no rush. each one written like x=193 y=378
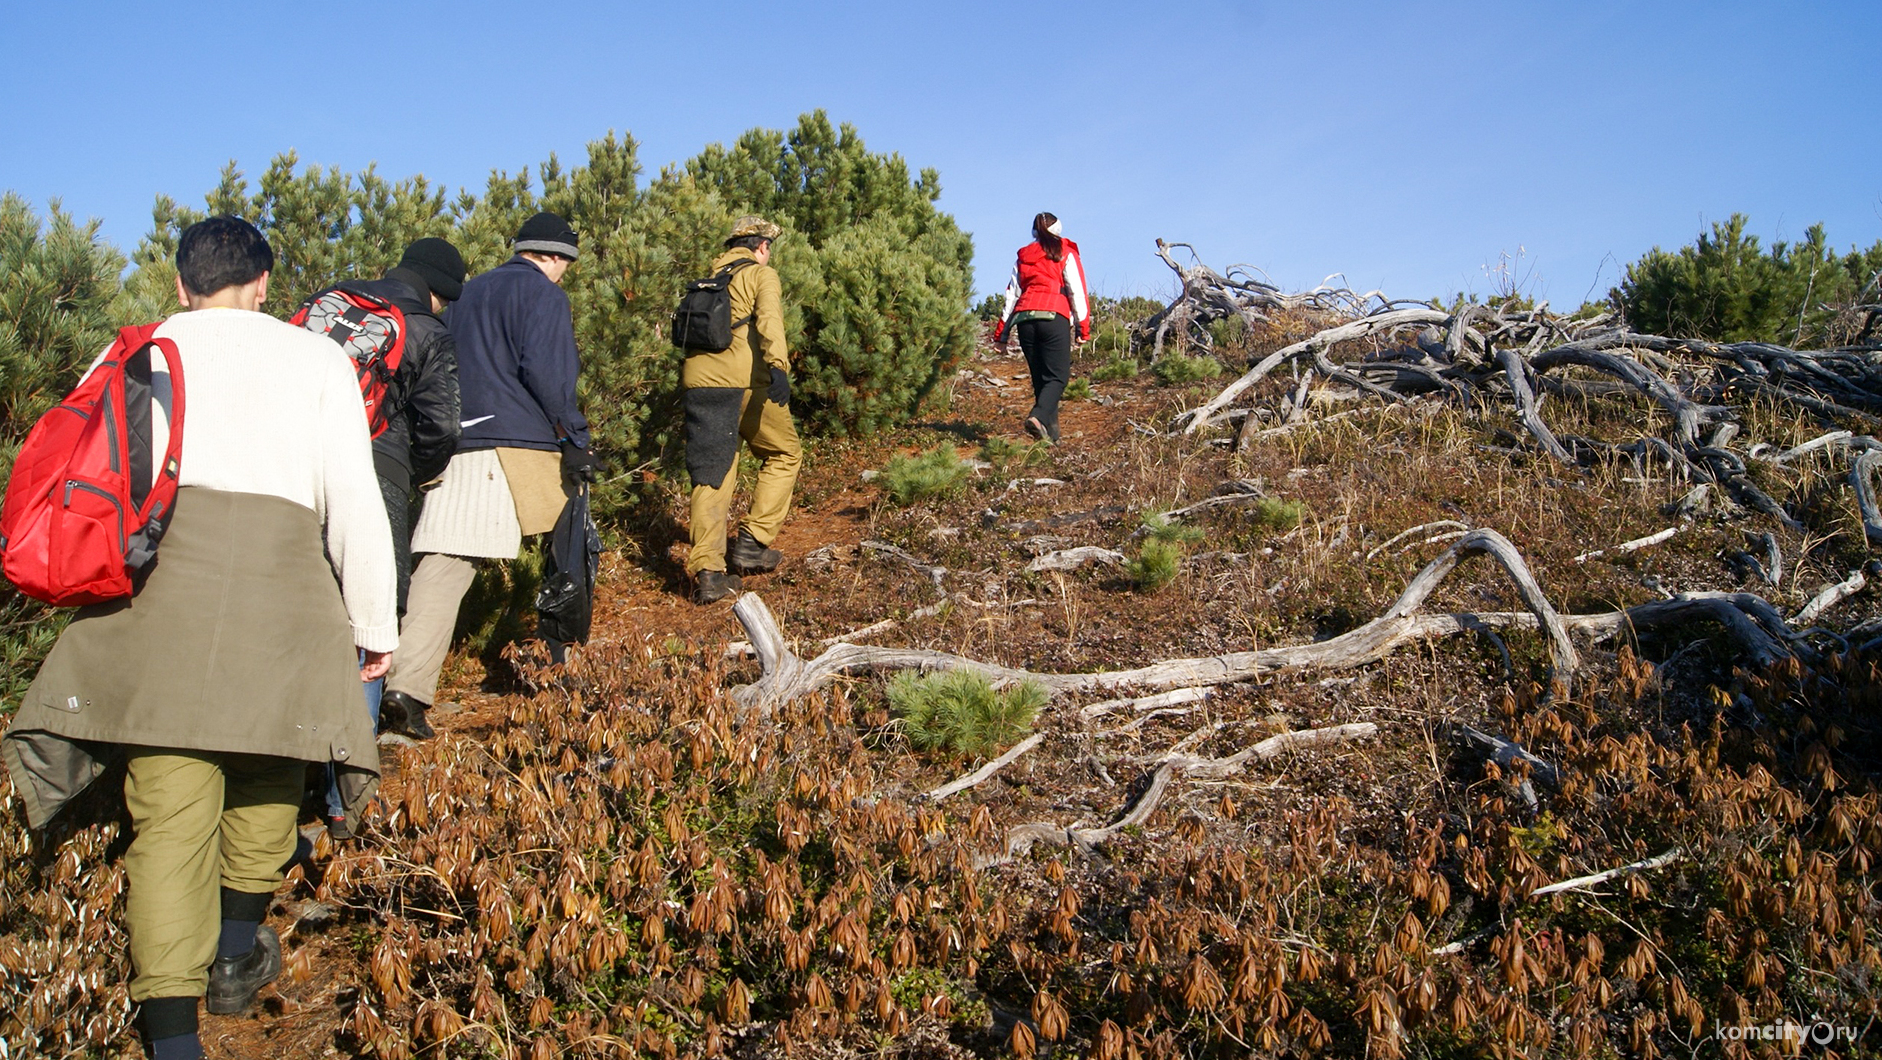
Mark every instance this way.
x=961 y=711
x=1004 y=453
x=1161 y=558
x=938 y=472
x=1078 y=390
x=1278 y=515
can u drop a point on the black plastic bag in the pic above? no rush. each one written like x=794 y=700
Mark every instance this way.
x=565 y=602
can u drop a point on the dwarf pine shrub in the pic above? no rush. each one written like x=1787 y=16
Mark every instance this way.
x=1121 y=366
x=1725 y=286
x=939 y=472
x=1078 y=390
x=60 y=299
x=1177 y=368
x=961 y=711
x=868 y=351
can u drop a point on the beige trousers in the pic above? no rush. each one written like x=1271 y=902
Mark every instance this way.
x=203 y=821
x=768 y=429
x=438 y=587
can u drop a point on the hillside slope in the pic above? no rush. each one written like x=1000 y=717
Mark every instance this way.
x=617 y=858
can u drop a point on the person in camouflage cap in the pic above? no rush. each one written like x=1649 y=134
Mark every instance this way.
x=741 y=392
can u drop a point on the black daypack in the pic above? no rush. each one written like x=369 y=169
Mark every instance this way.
x=703 y=323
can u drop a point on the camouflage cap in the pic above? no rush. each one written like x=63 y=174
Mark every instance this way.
x=754 y=225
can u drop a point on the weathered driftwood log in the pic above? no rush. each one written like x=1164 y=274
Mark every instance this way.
x=1517 y=372
x=1377 y=323
x=962 y=784
x=1174 y=697
x=1862 y=479
x=1022 y=838
x=1507 y=753
x=1581 y=882
x=1053 y=522
x=1750 y=620
x=1074 y=558
x=934 y=572
x=1272 y=747
x=1830 y=597
x=1226 y=494
x=1630 y=546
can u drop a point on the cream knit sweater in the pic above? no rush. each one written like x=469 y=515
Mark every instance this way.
x=274 y=409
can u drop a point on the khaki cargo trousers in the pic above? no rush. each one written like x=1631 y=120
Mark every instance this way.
x=202 y=821
x=767 y=428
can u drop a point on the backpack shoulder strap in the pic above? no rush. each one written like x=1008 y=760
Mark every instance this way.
x=730 y=270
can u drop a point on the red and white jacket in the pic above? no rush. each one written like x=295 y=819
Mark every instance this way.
x=1040 y=283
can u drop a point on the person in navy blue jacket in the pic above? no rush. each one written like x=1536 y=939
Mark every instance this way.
x=524 y=449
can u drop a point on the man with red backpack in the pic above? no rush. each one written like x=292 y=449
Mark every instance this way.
x=235 y=662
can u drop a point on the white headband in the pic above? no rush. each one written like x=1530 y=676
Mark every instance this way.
x=1054 y=228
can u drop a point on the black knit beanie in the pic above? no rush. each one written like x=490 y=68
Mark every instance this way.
x=546 y=233
x=439 y=263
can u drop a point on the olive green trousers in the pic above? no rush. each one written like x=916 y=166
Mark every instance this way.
x=202 y=821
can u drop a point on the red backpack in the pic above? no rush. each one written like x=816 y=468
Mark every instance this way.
x=372 y=332
x=83 y=512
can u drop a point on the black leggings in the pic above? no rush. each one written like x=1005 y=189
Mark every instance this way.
x=1048 y=348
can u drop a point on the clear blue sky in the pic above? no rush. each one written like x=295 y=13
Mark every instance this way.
x=1405 y=145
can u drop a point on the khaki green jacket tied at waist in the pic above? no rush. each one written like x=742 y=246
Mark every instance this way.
x=755 y=291
x=237 y=642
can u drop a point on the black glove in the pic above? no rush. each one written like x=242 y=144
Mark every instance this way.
x=779 y=392
x=577 y=463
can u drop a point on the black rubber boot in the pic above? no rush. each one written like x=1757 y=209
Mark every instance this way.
x=713 y=585
x=747 y=556
x=405 y=715
x=234 y=981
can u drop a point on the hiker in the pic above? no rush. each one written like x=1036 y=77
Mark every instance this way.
x=1044 y=298
x=523 y=450
x=421 y=419
x=234 y=665
x=743 y=391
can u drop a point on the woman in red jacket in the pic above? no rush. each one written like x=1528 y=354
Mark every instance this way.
x=1045 y=297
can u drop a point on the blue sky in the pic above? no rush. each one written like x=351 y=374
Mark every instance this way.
x=1406 y=145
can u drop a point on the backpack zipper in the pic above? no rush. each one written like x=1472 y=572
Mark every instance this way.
x=72 y=484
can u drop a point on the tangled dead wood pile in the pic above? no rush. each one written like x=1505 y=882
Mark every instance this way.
x=1515 y=357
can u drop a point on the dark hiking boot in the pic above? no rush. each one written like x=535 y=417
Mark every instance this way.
x=713 y=585
x=1040 y=431
x=747 y=556
x=404 y=715
x=339 y=828
x=234 y=981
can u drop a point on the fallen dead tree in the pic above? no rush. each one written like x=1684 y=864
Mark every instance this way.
x=1022 y=838
x=1760 y=631
x=1413 y=354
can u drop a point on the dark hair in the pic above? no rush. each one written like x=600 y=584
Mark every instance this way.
x=1054 y=246
x=221 y=252
x=751 y=243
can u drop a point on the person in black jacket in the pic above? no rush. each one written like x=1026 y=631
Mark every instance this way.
x=422 y=426
x=524 y=450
